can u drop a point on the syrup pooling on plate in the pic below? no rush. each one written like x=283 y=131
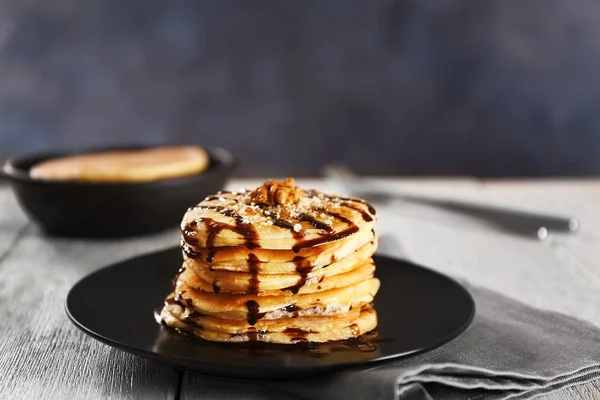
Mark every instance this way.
x=367 y=343
x=276 y=264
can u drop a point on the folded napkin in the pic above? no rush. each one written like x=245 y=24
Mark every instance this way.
x=511 y=351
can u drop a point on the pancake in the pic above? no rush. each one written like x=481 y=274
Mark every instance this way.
x=283 y=331
x=253 y=307
x=277 y=285
x=303 y=279
x=242 y=259
x=276 y=264
x=142 y=165
x=242 y=218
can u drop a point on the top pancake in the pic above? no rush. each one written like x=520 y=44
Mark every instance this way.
x=277 y=215
x=140 y=165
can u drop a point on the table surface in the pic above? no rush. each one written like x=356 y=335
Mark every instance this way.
x=42 y=355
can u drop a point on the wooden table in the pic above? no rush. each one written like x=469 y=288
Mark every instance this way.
x=42 y=355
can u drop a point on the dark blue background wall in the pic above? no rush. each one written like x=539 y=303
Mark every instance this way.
x=491 y=88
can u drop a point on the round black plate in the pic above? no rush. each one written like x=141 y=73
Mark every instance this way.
x=418 y=310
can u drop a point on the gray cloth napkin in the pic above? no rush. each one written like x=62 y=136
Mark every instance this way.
x=510 y=351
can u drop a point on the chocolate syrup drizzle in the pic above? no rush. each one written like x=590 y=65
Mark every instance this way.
x=282 y=223
x=366 y=343
x=213 y=228
x=175 y=302
x=253 y=312
x=176 y=277
x=353 y=200
x=252 y=334
x=365 y=215
x=189 y=251
x=292 y=308
x=251 y=238
x=314 y=222
x=253 y=266
x=210 y=257
x=326 y=239
x=194 y=315
x=297 y=334
x=304 y=270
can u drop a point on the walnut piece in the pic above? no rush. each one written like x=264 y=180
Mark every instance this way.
x=274 y=192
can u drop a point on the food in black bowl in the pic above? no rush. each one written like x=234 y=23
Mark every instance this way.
x=118 y=191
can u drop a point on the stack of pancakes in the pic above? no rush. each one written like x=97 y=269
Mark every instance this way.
x=277 y=265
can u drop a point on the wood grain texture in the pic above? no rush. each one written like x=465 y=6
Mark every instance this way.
x=560 y=274
x=12 y=221
x=42 y=355
x=589 y=391
x=195 y=386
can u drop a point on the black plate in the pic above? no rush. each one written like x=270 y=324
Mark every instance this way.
x=85 y=209
x=418 y=310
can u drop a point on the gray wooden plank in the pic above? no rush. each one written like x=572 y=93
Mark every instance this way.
x=195 y=386
x=561 y=274
x=12 y=220
x=43 y=355
x=588 y=391
x=551 y=275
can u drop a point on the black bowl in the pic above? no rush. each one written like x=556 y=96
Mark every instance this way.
x=83 y=209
